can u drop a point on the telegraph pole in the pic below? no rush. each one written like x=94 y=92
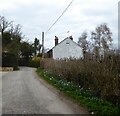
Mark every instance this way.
x=42 y=44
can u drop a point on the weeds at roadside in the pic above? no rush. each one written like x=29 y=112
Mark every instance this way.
x=83 y=97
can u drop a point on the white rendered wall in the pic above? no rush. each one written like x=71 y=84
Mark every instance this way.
x=67 y=49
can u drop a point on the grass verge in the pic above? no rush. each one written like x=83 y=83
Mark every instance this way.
x=82 y=97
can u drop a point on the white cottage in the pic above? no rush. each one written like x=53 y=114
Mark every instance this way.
x=65 y=49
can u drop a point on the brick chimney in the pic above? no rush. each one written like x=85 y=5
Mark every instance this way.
x=71 y=37
x=56 y=40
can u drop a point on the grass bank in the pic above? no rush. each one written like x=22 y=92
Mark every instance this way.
x=83 y=97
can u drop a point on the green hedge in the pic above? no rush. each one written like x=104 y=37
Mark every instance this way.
x=9 y=60
x=22 y=62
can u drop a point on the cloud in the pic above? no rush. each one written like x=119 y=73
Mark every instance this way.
x=36 y=16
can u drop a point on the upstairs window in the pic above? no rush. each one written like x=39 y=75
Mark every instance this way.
x=67 y=43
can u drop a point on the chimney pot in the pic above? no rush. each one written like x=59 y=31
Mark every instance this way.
x=71 y=37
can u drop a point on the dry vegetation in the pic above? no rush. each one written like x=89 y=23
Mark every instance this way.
x=102 y=78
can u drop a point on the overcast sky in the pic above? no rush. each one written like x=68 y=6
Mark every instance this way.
x=36 y=16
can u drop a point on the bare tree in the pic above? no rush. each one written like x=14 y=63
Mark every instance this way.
x=4 y=24
x=102 y=37
x=17 y=30
x=82 y=41
x=11 y=36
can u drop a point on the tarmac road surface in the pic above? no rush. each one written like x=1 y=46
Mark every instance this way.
x=24 y=93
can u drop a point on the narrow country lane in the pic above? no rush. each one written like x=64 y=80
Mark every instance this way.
x=24 y=93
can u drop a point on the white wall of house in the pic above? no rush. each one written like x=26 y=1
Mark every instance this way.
x=66 y=49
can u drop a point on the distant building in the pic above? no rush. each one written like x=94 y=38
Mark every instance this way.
x=65 y=49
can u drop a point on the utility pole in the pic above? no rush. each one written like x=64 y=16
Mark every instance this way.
x=42 y=44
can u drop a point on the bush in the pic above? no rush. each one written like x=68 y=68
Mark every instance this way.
x=102 y=78
x=22 y=62
x=81 y=96
x=34 y=62
x=9 y=60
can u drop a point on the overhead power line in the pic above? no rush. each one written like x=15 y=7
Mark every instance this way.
x=60 y=16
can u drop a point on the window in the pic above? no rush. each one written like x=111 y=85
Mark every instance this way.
x=67 y=43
